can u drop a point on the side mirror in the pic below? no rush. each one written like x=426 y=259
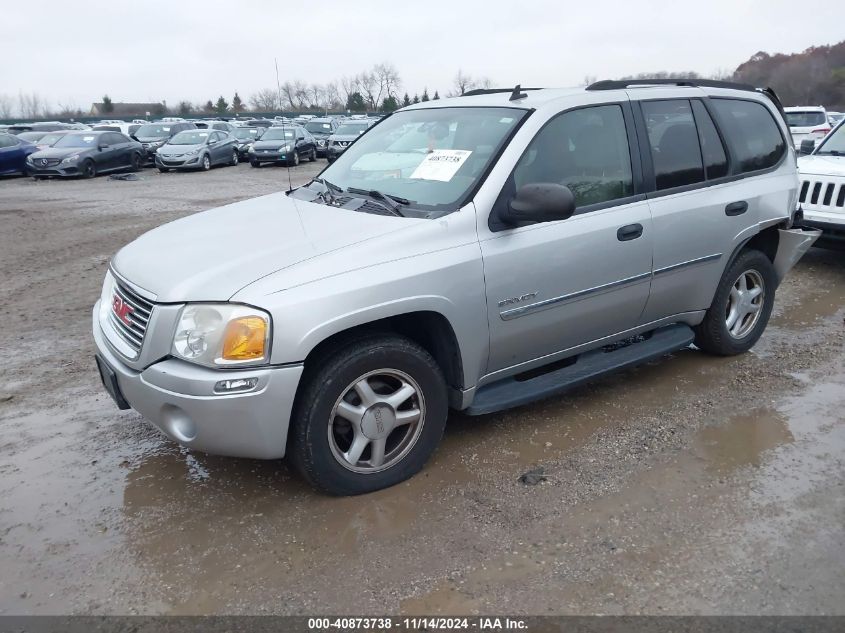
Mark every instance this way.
x=300 y=138
x=211 y=142
x=807 y=146
x=102 y=146
x=540 y=202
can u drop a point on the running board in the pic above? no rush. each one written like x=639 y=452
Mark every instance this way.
x=512 y=392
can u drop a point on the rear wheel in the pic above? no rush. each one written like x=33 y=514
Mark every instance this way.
x=741 y=306
x=370 y=415
x=89 y=169
x=234 y=158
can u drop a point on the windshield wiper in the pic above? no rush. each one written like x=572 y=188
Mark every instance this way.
x=328 y=185
x=391 y=202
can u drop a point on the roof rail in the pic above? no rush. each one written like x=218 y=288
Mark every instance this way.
x=608 y=84
x=493 y=91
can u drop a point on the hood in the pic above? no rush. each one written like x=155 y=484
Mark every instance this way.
x=272 y=144
x=209 y=256
x=175 y=150
x=59 y=152
x=822 y=165
x=344 y=137
x=321 y=134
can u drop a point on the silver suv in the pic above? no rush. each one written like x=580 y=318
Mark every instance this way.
x=474 y=253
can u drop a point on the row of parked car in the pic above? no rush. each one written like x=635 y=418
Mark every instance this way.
x=54 y=149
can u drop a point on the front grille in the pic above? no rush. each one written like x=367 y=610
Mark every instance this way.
x=138 y=317
x=822 y=194
x=47 y=162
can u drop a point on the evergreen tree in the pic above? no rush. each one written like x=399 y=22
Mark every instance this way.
x=221 y=106
x=436 y=96
x=406 y=100
x=425 y=95
x=108 y=106
x=237 y=104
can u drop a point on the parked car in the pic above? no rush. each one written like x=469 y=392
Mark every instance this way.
x=32 y=137
x=288 y=144
x=223 y=126
x=13 y=154
x=478 y=253
x=245 y=137
x=822 y=193
x=86 y=154
x=834 y=118
x=344 y=135
x=128 y=129
x=321 y=129
x=47 y=126
x=153 y=135
x=807 y=123
x=197 y=149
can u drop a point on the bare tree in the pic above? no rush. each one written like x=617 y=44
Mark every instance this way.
x=317 y=95
x=388 y=80
x=368 y=86
x=333 y=99
x=463 y=83
x=7 y=106
x=349 y=85
x=266 y=100
x=30 y=105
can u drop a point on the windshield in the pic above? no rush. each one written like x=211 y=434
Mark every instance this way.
x=51 y=138
x=246 y=132
x=805 y=119
x=834 y=143
x=77 y=140
x=318 y=127
x=352 y=129
x=189 y=137
x=432 y=158
x=277 y=134
x=153 y=130
x=31 y=137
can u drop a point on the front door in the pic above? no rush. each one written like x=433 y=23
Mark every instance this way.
x=552 y=286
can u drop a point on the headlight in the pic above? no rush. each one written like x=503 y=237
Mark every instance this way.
x=106 y=296
x=249 y=147
x=287 y=147
x=321 y=143
x=192 y=152
x=222 y=335
x=70 y=159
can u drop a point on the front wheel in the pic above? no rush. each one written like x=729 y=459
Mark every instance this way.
x=206 y=162
x=234 y=162
x=135 y=162
x=741 y=306
x=369 y=416
x=254 y=163
x=313 y=155
x=89 y=169
x=293 y=161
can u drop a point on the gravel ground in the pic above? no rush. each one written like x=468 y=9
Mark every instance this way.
x=690 y=485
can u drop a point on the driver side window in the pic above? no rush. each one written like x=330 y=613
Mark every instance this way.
x=586 y=150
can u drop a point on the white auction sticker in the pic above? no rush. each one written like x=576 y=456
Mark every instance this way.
x=441 y=164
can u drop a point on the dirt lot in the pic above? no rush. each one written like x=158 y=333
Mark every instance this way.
x=691 y=485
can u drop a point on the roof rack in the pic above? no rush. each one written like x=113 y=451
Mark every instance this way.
x=609 y=84
x=493 y=91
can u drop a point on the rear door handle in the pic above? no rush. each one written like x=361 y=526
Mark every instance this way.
x=629 y=232
x=736 y=208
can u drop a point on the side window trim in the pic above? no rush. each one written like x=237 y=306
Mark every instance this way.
x=726 y=146
x=633 y=153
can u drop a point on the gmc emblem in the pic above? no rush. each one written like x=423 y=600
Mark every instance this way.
x=121 y=309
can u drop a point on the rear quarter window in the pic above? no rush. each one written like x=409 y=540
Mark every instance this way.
x=751 y=131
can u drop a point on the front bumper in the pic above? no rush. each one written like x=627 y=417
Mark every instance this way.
x=333 y=151
x=54 y=170
x=262 y=156
x=181 y=162
x=179 y=399
x=832 y=229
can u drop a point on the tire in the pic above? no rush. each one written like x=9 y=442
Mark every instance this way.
x=254 y=163
x=330 y=159
x=163 y=170
x=320 y=439
x=234 y=162
x=734 y=302
x=293 y=161
x=89 y=169
x=312 y=157
x=205 y=163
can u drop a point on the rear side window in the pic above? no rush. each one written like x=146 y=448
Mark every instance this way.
x=586 y=150
x=751 y=131
x=712 y=150
x=673 y=138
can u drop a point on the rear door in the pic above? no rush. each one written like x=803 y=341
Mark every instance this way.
x=699 y=158
x=555 y=285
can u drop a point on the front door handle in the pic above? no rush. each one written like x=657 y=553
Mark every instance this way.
x=629 y=232
x=736 y=208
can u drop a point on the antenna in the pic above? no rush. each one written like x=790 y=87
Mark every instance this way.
x=278 y=83
x=287 y=162
x=517 y=94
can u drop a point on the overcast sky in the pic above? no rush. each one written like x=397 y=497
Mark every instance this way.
x=71 y=53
